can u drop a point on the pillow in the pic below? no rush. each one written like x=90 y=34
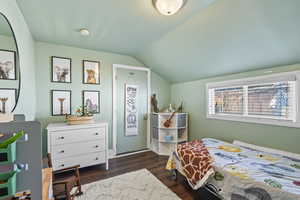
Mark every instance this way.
x=267 y=150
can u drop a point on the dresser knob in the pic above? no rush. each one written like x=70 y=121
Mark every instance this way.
x=96 y=133
x=62 y=137
x=62 y=151
x=96 y=146
x=62 y=165
x=97 y=158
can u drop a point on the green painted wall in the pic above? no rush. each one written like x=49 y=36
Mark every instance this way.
x=162 y=89
x=193 y=94
x=25 y=42
x=44 y=51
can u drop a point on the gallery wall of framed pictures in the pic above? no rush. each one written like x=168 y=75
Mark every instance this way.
x=61 y=72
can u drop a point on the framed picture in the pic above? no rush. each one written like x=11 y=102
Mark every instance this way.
x=91 y=99
x=7 y=65
x=91 y=72
x=61 y=69
x=7 y=99
x=61 y=102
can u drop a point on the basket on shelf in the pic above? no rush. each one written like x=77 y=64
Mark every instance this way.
x=8 y=149
x=168 y=138
x=77 y=120
x=8 y=154
x=7 y=184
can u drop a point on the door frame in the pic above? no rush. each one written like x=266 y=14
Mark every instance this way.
x=115 y=107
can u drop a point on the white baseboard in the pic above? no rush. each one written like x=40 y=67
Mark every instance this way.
x=112 y=154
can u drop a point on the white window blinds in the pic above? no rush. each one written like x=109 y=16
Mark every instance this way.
x=272 y=100
x=226 y=100
x=269 y=97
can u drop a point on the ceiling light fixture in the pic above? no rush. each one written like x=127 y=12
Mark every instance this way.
x=84 y=32
x=168 y=7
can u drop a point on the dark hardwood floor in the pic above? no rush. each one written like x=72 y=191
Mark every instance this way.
x=149 y=160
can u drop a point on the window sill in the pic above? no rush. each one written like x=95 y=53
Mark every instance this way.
x=265 y=121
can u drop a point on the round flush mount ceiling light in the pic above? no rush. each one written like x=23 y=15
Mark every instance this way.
x=84 y=32
x=168 y=7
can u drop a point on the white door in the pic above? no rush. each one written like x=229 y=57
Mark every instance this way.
x=132 y=105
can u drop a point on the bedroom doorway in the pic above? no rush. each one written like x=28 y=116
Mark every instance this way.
x=131 y=108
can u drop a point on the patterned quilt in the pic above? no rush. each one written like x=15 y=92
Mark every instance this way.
x=248 y=174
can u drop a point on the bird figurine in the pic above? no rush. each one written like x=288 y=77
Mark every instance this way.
x=154 y=104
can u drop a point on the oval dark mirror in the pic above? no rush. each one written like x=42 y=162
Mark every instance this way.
x=9 y=67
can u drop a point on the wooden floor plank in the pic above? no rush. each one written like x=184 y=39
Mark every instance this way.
x=148 y=160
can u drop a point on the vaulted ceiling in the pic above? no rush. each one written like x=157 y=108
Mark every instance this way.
x=206 y=38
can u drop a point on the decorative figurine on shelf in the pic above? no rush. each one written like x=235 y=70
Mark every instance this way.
x=171 y=109
x=154 y=104
x=180 y=108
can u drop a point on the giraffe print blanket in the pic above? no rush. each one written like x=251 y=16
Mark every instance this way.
x=196 y=163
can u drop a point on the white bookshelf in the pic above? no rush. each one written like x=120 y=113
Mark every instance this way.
x=164 y=140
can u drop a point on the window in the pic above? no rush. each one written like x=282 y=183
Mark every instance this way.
x=268 y=99
x=228 y=100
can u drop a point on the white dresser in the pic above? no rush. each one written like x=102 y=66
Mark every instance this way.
x=83 y=145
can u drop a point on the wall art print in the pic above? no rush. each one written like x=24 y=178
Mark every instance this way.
x=61 y=102
x=61 y=69
x=131 y=112
x=7 y=64
x=7 y=99
x=91 y=99
x=91 y=72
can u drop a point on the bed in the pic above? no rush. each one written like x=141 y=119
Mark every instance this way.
x=244 y=172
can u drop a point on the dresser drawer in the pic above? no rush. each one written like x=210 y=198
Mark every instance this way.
x=78 y=135
x=83 y=160
x=67 y=150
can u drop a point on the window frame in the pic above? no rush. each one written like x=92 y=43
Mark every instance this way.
x=257 y=119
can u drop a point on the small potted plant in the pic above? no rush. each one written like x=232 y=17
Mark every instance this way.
x=82 y=116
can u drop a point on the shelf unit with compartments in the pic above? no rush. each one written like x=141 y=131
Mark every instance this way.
x=164 y=140
x=83 y=145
